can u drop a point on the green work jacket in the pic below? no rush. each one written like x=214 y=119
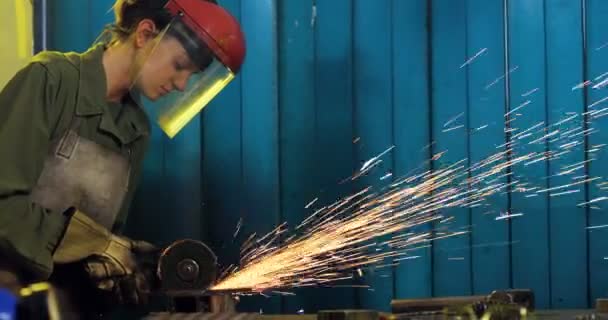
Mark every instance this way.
x=36 y=106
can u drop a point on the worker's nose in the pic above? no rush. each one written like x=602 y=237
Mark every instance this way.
x=181 y=81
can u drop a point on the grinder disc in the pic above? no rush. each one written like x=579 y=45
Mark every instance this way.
x=187 y=265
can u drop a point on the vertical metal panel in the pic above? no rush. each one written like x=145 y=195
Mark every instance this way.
x=485 y=57
x=298 y=158
x=531 y=231
x=68 y=26
x=568 y=243
x=373 y=117
x=451 y=256
x=333 y=65
x=40 y=25
x=597 y=65
x=411 y=116
x=260 y=125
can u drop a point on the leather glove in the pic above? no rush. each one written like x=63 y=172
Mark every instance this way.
x=122 y=270
x=113 y=263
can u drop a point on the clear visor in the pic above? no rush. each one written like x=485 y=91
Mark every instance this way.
x=177 y=109
x=179 y=77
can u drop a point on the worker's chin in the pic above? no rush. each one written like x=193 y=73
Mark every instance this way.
x=152 y=96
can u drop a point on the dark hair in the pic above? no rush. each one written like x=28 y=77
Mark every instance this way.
x=129 y=13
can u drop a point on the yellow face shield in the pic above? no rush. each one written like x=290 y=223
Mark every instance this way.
x=177 y=109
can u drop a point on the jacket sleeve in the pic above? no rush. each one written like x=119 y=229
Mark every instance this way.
x=28 y=233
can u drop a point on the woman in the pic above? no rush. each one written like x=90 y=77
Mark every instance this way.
x=73 y=137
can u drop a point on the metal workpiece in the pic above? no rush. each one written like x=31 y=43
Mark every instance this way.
x=202 y=316
x=226 y=316
x=348 y=315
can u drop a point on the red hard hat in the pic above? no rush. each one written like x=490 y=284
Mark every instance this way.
x=215 y=26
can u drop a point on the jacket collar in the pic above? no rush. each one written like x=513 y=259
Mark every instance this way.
x=92 y=101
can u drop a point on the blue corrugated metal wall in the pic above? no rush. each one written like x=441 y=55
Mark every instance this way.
x=322 y=73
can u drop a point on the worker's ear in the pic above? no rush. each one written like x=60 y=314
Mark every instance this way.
x=146 y=31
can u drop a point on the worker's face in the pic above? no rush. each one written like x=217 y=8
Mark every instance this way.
x=166 y=68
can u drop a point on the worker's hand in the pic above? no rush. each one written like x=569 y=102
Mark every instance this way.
x=114 y=263
x=125 y=268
